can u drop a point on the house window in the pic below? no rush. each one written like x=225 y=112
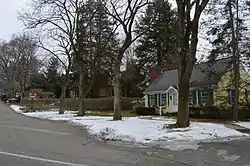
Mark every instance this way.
x=103 y=92
x=110 y=82
x=153 y=99
x=163 y=99
x=231 y=94
x=204 y=96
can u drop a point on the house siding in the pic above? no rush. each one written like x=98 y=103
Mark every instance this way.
x=226 y=83
x=146 y=101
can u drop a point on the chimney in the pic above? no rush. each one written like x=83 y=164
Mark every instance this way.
x=154 y=73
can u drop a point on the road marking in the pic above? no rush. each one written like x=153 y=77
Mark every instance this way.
x=37 y=130
x=41 y=159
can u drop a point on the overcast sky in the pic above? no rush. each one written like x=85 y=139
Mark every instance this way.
x=9 y=23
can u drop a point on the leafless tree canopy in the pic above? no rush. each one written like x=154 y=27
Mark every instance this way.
x=17 y=62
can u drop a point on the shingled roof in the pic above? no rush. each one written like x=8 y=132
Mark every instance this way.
x=204 y=74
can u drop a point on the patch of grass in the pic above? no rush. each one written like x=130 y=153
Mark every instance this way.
x=129 y=114
x=171 y=126
x=110 y=113
x=210 y=120
x=97 y=113
x=37 y=106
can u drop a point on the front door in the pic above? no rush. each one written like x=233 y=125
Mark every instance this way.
x=170 y=102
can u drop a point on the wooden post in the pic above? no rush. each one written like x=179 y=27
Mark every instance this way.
x=32 y=105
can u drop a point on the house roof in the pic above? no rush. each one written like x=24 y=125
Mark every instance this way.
x=203 y=74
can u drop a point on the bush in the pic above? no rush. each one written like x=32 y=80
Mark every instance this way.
x=100 y=104
x=244 y=113
x=136 y=106
x=47 y=101
x=210 y=112
x=145 y=111
x=205 y=112
x=195 y=112
x=70 y=104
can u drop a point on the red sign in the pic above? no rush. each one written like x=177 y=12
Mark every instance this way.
x=32 y=96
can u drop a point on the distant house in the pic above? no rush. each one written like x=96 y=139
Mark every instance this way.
x=102 y=86
x=211 y=83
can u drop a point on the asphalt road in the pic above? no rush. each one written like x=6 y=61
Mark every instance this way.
x=26 y=141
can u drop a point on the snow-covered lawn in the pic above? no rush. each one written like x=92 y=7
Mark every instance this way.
x=138 y=130
x=244 y=124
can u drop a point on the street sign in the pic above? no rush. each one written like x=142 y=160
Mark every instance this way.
x=32 y=96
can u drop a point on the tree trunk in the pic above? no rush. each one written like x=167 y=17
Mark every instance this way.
x=235 y=48
x=117 y=97
x=21 y=96
x=81 y=111
x=236 y=86
x=183 y=102
x=62 y=97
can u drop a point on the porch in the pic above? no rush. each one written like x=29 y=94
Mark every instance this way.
x=168 y=100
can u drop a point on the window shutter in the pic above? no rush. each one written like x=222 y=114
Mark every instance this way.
x=194 y=97
x=199 y=96
x=159 y=100
x=211 y=96
x=149 y=100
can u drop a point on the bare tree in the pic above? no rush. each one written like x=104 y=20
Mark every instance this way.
x=124 y=13
x=62 y=52
x=189 y=12
x=27 y=49
x=63 y=18
x=18 y=60
x=8 y=66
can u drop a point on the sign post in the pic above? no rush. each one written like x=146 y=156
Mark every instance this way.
x=32 y=98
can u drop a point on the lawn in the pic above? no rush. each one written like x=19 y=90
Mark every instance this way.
x=110 y=113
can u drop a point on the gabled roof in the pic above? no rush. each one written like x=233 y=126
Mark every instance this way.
x=204 y=74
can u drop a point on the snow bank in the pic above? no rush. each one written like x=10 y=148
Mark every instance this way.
x=145 y=131
x=244 y=124
x=140 y=130
x=17 y=108
x=52 y=115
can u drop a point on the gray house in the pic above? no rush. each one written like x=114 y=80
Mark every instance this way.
x=204 y=83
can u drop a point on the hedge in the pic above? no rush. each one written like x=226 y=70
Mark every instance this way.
x=145 y=111
x=100 y=104
x=218 y=113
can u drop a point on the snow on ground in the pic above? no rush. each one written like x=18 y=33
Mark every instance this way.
x=51 y=115
x=145 y=131
x=244 y=124
x=16 y=108
x=142 y=131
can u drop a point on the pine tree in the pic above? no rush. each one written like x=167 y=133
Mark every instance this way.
x=97 y=43
x=157 y=47
x=229 y=38
x=52 y=76
x=219 y=29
